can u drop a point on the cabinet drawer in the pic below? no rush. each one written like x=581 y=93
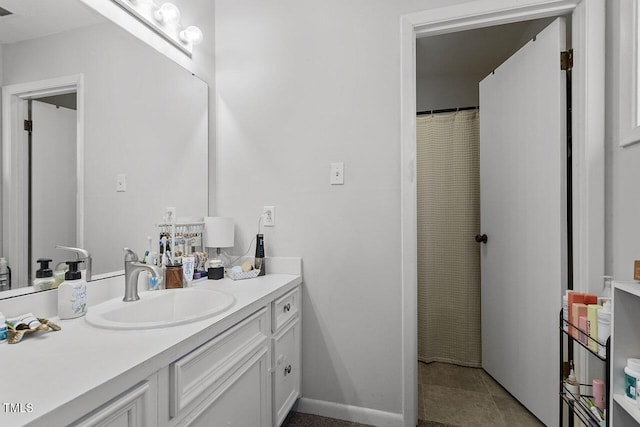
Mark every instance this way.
x=286 y=372
x=285 y=308
x=202 y=371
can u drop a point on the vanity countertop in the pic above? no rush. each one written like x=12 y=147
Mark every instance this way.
x=63 y=375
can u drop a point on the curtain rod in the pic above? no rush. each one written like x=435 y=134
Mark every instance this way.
x=448 y=110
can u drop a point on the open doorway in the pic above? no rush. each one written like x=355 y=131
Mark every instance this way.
x=588 y=149
x=18 y=202
x=52 y=177
x=449 y=68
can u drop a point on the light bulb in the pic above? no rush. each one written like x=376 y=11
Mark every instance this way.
x=167 y=13
x=191 y=34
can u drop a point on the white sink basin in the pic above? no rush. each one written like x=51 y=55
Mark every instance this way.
x=158 y=309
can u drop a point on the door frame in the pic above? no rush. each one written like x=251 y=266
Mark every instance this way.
x=15 y=196
x=588 y=98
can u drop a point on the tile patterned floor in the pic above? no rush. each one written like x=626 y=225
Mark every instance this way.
x=449 y=396
x=463 y=397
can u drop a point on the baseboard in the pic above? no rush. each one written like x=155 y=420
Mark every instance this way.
x=355 y=414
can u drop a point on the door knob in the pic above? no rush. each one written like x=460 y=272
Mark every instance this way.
x=481 y=238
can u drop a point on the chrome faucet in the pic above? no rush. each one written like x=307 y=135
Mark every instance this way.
x=132 y=270
x=81 y=255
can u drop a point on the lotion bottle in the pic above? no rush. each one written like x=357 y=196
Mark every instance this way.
x=572 y=386
x=44 y=276
x=72 y=293
x=604 y=327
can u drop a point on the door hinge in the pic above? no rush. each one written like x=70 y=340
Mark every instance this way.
x=566 y=60
x=28 y=125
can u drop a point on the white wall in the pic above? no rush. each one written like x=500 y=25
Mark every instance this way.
x=300 y=85
x=145 y=117
x=623 y=173
x=438 y=92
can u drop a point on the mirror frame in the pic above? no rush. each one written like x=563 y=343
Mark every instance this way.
x=628 y=91
x=15 y=197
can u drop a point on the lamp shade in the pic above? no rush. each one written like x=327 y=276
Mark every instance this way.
x=218 y=232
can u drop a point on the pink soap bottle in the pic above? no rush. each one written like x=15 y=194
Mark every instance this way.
x=599 y=394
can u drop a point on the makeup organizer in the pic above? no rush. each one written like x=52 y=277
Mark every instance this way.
x=182 y=237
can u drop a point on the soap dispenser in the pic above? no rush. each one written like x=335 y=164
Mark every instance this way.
x=44 y=276
x=72 y=293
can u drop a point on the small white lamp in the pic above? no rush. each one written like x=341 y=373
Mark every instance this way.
x=219 y=233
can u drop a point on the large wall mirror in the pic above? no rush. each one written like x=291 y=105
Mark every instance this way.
x=119 y=132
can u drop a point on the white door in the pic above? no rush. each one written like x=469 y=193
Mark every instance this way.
x=53 y=183
x=523 y=214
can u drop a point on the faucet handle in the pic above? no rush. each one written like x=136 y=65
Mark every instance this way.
x=130 y=255
x=79 y=251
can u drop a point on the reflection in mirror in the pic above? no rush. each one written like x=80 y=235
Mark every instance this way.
x=629 y=72
x=138 y=115
x=52 y=143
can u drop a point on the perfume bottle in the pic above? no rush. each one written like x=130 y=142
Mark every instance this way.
x=259 y=263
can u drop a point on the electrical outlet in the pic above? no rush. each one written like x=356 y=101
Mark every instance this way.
x=269 y=216
x=121 y=182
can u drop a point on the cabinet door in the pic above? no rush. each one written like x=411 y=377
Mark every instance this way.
x=286 y=373
x=209 y=367
x=134 y=408
x=241 y=402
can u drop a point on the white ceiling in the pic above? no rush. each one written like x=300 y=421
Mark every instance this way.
x=37 y=18
x=473 y=52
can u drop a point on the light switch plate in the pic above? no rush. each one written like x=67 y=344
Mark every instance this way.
x=337 y=173
x=121 y=182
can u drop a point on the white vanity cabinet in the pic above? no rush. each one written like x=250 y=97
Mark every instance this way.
x=286 y=354
x=241 y=369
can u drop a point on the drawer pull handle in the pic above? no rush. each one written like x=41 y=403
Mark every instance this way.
x=287 y=308
x=287 y=370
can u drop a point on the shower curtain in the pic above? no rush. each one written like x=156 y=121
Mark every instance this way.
x=448 y=185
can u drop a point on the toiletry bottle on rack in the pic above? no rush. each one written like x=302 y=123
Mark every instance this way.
x=3 y=328
x=606 y=287
x=44 y=276
x=72 y=293
x=572 y=385
x=604 y=327
x=5 y=275
x=259 y=263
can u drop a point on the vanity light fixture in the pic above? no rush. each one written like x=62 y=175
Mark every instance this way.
x=191 y=34
x=164 y=19
x=167 y=14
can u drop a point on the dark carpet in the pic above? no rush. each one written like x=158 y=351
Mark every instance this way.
x=298 y=419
